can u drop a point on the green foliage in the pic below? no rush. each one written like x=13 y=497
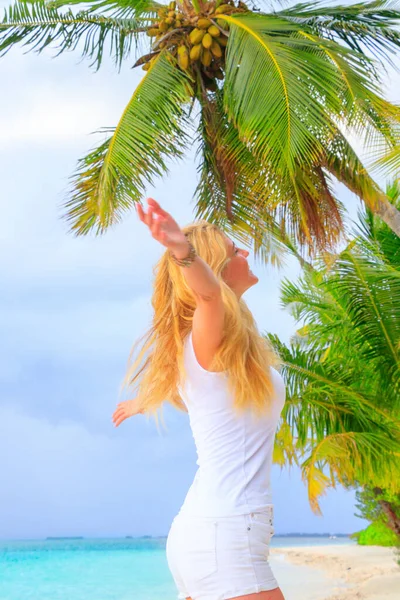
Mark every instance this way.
x=227 y=185
x=371 y=501
x=376 y=534
x=152 y=128
x=295 y=80
x=363 y=26
x=342 y=368
x=382 y=508
x=41 y=25
x=265 y=99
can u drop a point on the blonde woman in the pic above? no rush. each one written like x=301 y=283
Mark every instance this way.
x=206 y=357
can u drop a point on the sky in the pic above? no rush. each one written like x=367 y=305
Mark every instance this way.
x=71 y=309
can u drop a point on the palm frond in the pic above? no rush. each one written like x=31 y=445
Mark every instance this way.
x=343 y=372
x=355 y=304
x=371 y=293
x=343 y=163
x=265 y=109
x=376 y=238
x=284 y=453
x=338 y=413
x=152 y=128
x=40 y=25
x=285 y=90
x=251 y=201
x=370 y=27
x=226 y=192
x=121 y=8
x=323 y=395
x=353 y=456
x=389 y=161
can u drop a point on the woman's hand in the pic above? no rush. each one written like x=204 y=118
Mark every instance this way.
x=163 y=227
x=124 y=410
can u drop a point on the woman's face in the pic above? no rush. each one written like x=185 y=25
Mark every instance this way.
x=237 y=273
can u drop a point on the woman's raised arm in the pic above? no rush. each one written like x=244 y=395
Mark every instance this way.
x=166 y=230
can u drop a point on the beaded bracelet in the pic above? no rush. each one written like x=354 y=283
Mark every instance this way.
x=185 y=262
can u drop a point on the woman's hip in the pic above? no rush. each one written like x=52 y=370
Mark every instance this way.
x=236 y=541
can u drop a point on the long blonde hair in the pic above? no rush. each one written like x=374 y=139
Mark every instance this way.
x=244 y=353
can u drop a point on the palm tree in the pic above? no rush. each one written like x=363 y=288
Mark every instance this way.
x=341 y=423
x=278 y=95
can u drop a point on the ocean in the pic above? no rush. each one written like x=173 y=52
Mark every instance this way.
x=110 y=569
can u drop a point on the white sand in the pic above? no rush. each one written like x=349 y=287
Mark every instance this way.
x=351 y=572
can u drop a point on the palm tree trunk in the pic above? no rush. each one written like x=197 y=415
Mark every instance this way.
x=293 y=250
x=389 y=214
x=387 y=509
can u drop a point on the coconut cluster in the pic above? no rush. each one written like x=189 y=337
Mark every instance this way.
x=198 y=41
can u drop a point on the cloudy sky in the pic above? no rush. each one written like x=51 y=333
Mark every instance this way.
x=70 y=310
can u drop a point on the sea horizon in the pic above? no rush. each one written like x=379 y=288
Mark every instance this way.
x=157 y=537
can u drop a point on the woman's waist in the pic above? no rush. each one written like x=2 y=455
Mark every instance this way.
x=263 y=512
x=197 y=504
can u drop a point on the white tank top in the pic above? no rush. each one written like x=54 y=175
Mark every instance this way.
x=234 y=453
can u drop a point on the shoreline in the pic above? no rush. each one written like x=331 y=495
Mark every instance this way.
x=352 y=572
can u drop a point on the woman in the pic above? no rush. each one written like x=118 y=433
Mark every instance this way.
x=208 y=358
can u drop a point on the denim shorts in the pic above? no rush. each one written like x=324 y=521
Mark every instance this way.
x=215 y=558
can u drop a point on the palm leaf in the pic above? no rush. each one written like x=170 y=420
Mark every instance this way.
x=248 y=200
x=153 y=127
x=284 y=452
x=353 y=456
x=40 y=25
x=369 y=27
x=333 y=412
x=322 y=398
x=389 y=160
x=122 y=8
x=377 y=238
x=342 y=162
x=286 y=114
x=342 y=368
x=265 y=109
x=131 y=7
x=371 y=293
x=356 y=303
x=228 y=193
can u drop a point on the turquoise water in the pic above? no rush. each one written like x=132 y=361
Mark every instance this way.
x=98 y=569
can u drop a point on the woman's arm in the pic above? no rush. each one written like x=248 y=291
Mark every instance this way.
x=208 y=318
x=166 y=230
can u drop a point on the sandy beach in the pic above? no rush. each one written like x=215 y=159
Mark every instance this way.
x=352 y=572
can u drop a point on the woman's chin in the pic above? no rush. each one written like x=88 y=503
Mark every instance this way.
x=253 y=277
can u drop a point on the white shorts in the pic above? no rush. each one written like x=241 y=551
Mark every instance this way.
x=215 y=558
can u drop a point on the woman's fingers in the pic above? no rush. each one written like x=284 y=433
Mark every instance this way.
x=140 y=212
x=117 y=420
x=157 y=208
x=150 y=218
x=147 y=218
x=119 y=412
x=154 y=216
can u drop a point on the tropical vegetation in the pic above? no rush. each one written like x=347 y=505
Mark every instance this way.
x=382 y=508
x=341 y=421
x=272 y=100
